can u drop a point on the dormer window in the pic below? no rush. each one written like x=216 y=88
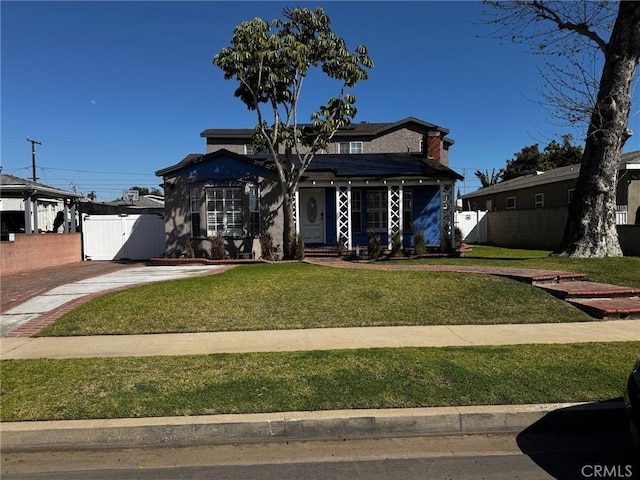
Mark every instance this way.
x=350 y=147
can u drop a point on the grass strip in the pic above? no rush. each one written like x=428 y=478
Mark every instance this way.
x=293 y=295
x=267 y=382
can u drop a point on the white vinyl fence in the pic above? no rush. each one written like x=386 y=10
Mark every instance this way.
x=122 y=237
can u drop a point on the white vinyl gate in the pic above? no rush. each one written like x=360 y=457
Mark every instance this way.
x=473 y=226
x=122 y=237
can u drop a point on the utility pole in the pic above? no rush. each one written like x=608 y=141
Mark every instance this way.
x=33 y=156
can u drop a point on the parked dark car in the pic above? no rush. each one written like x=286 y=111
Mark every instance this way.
x=632 y=402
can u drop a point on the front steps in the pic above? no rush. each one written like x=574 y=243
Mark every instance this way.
x=600 y=300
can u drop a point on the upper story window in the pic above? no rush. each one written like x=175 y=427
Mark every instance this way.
x=539 y=200
x=350 y=147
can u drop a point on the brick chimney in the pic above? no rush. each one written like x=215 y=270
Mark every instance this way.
x=434 y=146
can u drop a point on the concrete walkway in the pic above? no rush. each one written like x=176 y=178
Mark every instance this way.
x=47 y=306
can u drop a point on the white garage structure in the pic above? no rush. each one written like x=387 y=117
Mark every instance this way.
x=122 y=237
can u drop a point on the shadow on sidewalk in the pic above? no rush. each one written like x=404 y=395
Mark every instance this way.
x=591 y=441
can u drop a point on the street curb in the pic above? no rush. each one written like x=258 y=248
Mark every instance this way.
x=295 y=426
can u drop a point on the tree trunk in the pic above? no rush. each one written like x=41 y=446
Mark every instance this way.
x=289 y=230
x=591 y=227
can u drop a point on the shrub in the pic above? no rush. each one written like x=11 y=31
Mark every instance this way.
x=266 y=246
x=396 y=245
x=189 y=251
x=299 y=253
x=341 y=247
x=419 y=243
x=218 y=251
x=374 y=249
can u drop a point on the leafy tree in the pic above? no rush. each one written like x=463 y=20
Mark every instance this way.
x=530 y=159
x=270 y=62
x=92 y=195
x=487 y=180
x=145 y=191
x=574 y=31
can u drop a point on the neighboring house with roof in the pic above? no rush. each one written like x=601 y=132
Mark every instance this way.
x=27 y=206
x=340 y=197
x=146 y=204
x=531 y=211
x=554 y=188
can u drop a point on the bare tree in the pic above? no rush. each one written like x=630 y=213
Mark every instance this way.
x=574 y=31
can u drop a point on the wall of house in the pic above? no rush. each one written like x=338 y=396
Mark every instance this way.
x=555 y=195
x=34 y=251
x=628 y=194
x=542 y=229
x=400 y=140
x=178 y=229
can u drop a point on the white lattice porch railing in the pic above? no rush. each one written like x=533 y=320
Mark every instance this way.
x=395 y=212
x=446 y=216
x=343 y=218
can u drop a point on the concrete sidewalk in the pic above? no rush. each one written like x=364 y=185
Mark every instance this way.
x=317 y=339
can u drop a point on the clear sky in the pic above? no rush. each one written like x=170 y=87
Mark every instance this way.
x=118 y=90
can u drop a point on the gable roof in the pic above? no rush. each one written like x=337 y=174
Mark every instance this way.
x=195 y=158
x=12 y=186
x=628 y=161
x=362 y=129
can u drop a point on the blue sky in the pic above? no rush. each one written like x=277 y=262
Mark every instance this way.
x=118 y=90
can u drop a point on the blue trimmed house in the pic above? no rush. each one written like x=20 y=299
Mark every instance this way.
x=341 y=196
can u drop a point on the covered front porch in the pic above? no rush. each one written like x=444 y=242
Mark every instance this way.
x=345 y=211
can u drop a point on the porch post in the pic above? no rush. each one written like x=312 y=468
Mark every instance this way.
x=447 y=211
x=343 y=215
x=296 y=207
x=28 y=228
x=394 y=196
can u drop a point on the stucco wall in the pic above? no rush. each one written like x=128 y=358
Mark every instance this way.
x=542 y=229
x=31 y=252
x=539 y=228
x=178 y=219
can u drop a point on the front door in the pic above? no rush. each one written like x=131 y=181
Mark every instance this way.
x=312 y=215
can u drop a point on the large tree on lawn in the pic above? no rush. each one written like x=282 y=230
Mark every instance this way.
x=571 y=30
x=270 y=62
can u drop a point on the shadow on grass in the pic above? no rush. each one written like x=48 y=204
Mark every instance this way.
x=587 y=441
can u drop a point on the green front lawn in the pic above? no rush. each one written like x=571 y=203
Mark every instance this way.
x=618 y=271
x=323 y=380
x=293 y=295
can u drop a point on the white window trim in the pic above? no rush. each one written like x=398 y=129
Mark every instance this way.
x=539 y=200
x=213 y=229
x=513 y=207
x=354 y=147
